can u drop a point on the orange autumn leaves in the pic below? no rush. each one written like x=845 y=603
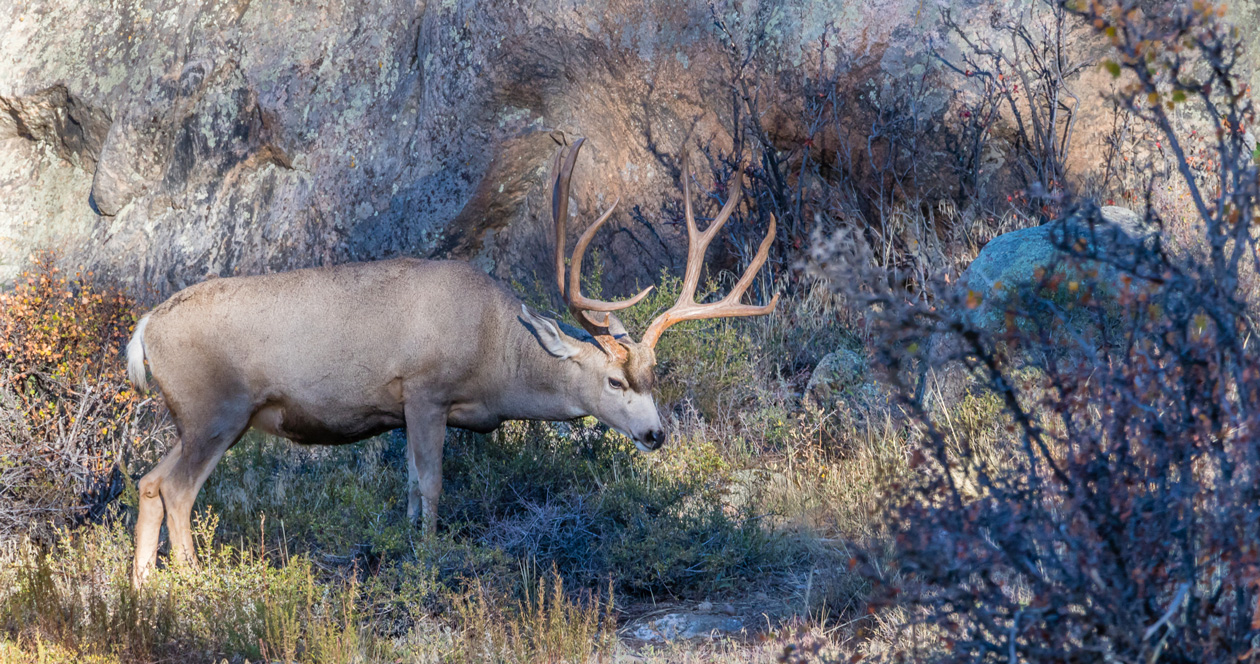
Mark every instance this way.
x=60 y=337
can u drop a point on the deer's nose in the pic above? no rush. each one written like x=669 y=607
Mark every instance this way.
x=654 y=439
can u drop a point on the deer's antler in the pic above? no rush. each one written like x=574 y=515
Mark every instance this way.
x=697 y=242
x=580 y=305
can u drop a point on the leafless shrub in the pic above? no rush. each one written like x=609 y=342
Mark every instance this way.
x=1018 y=72
x=1125 y=525
x=917 y=170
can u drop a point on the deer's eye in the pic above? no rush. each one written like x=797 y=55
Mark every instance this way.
x=616 y=384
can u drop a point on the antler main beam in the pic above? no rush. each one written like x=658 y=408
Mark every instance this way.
x=698 y=243
x=580 y=305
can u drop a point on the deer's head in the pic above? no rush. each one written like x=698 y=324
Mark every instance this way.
x=620 y=371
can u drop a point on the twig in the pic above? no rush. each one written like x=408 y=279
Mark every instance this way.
x=1011 y=639
x=1181 y=595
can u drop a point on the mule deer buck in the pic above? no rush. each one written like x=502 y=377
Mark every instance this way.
x=338 y=354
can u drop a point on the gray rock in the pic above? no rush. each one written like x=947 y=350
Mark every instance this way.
x=168 y=141
x=172 y=141
x=837 y=373
x=842 y=386
x=1017 y=272
x=72 y=128
x=1009 y=283
x=685 y=626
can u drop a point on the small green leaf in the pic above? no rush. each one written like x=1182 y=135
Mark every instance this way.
x=1113 y=67
x=1178 y=96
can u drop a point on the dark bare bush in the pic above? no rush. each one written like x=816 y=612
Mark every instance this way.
x=929 y=159
x=1016 y=73
x=1124 y=525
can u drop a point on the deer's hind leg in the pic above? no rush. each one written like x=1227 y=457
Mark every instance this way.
x=149 y=523
x=205 y=440
x=172 y=486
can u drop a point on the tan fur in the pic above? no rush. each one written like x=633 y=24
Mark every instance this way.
x=335 y=355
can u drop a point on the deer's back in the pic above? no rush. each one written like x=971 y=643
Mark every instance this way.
x=334 y=344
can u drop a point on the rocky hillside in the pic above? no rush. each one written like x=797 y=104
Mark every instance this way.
x=169 y=140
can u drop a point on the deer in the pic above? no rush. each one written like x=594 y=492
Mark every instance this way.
x=334 y=355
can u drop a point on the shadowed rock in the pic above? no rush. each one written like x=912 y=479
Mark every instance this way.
x=1063 y=265
x=1059 y=284
x=239 y=138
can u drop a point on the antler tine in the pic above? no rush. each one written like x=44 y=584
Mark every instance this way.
x=580 y=305
x=697 y=242
x=754 y=266
x=728 y=307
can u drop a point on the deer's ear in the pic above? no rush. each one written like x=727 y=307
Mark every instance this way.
x=549 y=335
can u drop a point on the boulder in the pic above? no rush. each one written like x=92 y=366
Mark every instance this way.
x=838 y=373
x=1035 y=277
x=841 y=384
x=686 y=626
x=1045 y=281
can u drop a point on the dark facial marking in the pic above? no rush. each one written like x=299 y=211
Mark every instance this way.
x=640 y=368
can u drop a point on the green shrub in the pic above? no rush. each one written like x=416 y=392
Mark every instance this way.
x=573 y=496
x=709 y=363
x=345 y=500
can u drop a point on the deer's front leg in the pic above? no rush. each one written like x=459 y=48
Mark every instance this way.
x=426 y=431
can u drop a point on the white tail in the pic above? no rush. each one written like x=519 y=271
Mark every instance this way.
x=135 y=355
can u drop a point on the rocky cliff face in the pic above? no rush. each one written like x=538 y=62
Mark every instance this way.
x=172 y=140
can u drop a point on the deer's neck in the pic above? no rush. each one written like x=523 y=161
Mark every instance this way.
x=533 y=384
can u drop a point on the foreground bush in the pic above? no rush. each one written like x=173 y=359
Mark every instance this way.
x=1124 y=524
